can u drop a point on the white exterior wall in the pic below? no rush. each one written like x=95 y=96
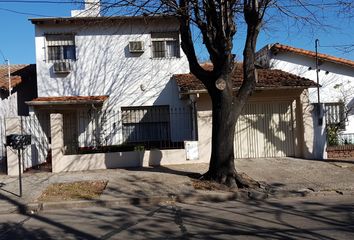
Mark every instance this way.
x=337 y=84
x=104 y=65
x=8 y=105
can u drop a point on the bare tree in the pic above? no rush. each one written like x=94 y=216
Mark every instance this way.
x=216 y=21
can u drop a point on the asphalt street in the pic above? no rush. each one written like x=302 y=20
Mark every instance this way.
x=288 y=218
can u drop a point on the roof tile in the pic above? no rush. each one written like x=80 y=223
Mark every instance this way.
x=267 y=78
x=18 y=74
x=284 y=48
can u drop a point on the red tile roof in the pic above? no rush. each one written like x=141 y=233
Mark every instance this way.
x=18 y=74
x=267 y=79
x=68 y=100
x=324 y=57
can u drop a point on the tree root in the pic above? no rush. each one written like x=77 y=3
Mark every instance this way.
x=232 y=180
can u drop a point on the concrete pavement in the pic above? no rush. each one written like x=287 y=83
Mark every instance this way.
x=284 y=176
x=287 y=218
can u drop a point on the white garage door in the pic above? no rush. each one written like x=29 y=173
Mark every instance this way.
x=265 y=130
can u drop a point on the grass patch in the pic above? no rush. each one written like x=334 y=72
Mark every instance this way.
x=83 y=190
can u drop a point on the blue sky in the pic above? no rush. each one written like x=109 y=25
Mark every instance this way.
x=17 y=33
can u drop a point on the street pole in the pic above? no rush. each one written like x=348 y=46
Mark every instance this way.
x=317 y=70
x=19 y=170
x=320 y=119
x=18 y=142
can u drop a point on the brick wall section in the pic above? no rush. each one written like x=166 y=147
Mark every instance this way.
x=343 y=152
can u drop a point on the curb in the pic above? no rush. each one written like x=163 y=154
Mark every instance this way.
x=12 y=209
x=32 y=208
x=310 y=193
x=35 y=207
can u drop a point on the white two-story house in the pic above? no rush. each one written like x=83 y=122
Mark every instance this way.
x=124 y=81
x=110 y=77
x=335 y=75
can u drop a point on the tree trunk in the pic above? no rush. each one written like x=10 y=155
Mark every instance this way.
x=226 y=110
x=222 y=167
x=224 y=117
x=218 y=28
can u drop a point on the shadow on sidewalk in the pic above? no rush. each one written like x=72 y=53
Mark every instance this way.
x=256 y=218
x=10 y=230
x=7 y=191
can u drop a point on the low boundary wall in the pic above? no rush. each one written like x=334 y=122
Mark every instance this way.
x=343 y=152
x=81 y=162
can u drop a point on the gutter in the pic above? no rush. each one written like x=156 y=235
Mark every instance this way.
x=68 y=20
x=257 y=88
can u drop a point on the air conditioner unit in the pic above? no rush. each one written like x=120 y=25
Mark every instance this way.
x=136 y=46
x=62 y=67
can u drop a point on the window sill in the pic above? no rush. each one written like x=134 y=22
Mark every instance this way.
x=165 y=58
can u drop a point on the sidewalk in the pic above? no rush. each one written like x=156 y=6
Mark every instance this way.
x=285 y=176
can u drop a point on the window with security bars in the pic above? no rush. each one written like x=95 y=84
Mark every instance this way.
x=335 y=114
x=146 y=124
x=61 y=47
x=165 y=45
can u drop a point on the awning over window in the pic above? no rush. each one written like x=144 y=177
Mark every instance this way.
x=67 y=100
x=60 y=40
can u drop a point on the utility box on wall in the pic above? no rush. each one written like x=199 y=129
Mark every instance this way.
x=191 y=148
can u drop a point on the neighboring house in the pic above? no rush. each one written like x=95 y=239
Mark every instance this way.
x=23 y=88
x=276 y=122
x=335 y=75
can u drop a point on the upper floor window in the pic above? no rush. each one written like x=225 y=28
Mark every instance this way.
x=61 y=47
x=165 y=45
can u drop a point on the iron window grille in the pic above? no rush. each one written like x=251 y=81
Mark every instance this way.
x=165 y=45
x=335 y=114
x=61 y=47
x=146 y=124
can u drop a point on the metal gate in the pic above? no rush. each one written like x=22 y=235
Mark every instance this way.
x=37 y=152
x=265 y=130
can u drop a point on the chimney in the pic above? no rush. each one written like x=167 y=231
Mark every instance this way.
x=92 y=9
